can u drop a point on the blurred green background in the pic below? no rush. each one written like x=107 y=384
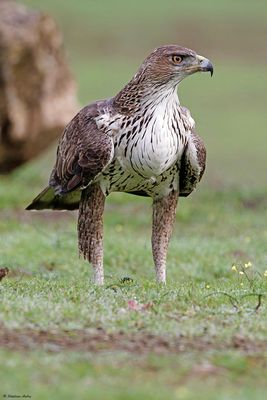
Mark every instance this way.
x=106 y=41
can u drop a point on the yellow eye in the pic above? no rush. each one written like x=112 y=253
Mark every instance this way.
x=177 y=59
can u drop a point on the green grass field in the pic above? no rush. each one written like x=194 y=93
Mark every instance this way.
x=203 y=336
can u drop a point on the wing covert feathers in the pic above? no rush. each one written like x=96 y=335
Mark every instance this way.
x=192 y=165
x=83 y=152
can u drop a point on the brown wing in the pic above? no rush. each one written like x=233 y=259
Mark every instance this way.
x=192 y=165
x=83 y=151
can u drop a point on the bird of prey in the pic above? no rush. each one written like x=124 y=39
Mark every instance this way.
x=141 y=141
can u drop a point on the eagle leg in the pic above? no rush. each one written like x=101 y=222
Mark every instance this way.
x=164 y=210
x=90 y=230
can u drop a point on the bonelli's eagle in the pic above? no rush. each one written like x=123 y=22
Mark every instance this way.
x=141 y=141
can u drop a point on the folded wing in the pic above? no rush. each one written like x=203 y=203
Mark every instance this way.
x=192 y=165
x=83 y=152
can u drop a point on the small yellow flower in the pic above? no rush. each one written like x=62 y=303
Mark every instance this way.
x=241 y=284
x=248 y=265
x=241 y=273
x=234 y=268
x=207 y=286
x=265 y=273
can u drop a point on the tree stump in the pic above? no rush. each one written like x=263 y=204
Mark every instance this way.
x=37 y=91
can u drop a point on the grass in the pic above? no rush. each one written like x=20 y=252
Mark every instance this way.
x=97 y=377
x=53 y=289
x=48 y=290
x=214 y=316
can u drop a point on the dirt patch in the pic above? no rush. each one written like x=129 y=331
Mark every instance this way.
x=254 y=203
x=14 y=273
x=139 y=343
x=24 y=216
x=3 y=273
x=224 y=37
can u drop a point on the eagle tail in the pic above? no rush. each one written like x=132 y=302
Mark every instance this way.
x=47 y=199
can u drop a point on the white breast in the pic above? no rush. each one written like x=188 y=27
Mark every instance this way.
x=157 y=146
x=157 y=150
x=152 y=147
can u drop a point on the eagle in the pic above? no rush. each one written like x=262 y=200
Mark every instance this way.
x=141 y=141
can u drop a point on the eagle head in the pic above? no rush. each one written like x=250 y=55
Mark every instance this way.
x=171 y=64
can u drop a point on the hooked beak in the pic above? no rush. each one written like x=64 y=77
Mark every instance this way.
x=205 y=65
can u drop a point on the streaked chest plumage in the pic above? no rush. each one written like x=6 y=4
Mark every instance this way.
x=147 y=148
